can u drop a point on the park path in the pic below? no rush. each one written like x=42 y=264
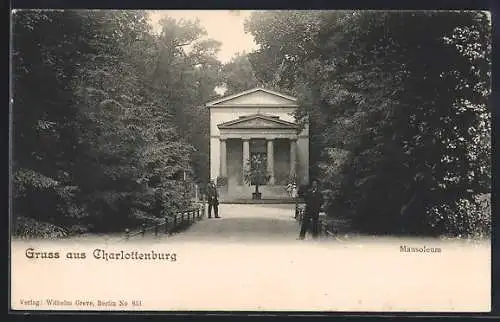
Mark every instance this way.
x=238 y=222
x=245 y=222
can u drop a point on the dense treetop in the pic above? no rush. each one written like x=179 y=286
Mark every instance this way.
x=398 y=109
x=108 y=116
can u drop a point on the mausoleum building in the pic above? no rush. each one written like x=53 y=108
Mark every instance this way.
x=257 y=121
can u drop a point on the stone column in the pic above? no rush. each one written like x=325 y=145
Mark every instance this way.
x=293 y=157
x=223 y=158
x=270 y=160
x=246 y=154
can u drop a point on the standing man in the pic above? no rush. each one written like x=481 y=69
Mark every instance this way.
x=213 y=199
x=314 y=200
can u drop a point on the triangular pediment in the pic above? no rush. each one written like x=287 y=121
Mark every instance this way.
x=258 y=121
x=255 y=97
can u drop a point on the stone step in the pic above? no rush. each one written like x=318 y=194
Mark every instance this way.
x=257 y=201
x=242 y=192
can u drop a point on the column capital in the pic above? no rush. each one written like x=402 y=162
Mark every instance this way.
x=223 y=139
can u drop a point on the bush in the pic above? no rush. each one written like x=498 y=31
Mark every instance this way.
x=471 y=219
x=31 y=228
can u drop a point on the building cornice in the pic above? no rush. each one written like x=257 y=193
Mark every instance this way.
x=214 y=103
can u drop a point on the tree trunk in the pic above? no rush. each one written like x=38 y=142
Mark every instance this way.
x=256 y=188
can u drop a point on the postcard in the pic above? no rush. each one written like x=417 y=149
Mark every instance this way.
x=250 y=161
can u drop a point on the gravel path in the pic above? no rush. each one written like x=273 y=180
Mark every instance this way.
x=238 y=223
x=245 y=222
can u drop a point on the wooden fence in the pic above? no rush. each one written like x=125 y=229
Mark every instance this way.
x=172 y=223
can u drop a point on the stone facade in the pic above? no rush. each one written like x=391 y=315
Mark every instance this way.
x=257 y=121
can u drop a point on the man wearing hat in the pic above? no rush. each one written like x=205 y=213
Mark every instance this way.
x=213 y=199
x=314 y=201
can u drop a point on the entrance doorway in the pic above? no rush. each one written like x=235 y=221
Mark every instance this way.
x=258 y=150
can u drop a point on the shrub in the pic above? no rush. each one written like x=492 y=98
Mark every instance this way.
x=464 y=219
x=31 y=228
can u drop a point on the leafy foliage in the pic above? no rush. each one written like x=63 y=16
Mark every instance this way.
x=255 y=172
x=400 y=137
x=238 y=75
x=31 y=228
x=104 y=114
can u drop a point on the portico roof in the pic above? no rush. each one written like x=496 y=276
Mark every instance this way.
x=255 y=97
x=258 y=121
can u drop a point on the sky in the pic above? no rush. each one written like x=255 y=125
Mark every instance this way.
x=225 y=26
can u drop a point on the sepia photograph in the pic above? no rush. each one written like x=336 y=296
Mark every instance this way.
x=250 y=160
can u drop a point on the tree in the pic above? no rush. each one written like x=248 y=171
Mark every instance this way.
x=406 y=124
x=238 y=75
x=255 y=172
x=287 y=40
x=100 y=138
x=45 y=56
x=184 y=80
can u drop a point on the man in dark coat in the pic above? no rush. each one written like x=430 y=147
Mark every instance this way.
x=314 y=200
x=213 y=200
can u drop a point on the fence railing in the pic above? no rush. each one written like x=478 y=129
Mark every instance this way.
x=170 y=224
x=325 y=226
